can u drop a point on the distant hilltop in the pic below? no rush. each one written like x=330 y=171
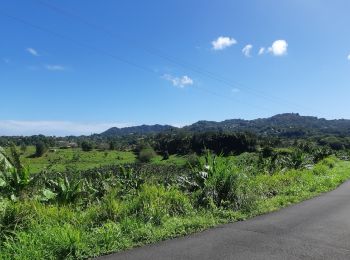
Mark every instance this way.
x=142 y=129
x=287 y=125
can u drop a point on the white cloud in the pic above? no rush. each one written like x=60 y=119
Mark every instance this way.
x=261 y=51
x=180 y=82
x=222 y=43
x=349 y=57
x=279 y=48
x=247 y=49
x=32 y=51
x=55 y=67
x=58 y=128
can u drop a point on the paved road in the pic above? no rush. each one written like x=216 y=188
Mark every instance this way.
x=315 y=229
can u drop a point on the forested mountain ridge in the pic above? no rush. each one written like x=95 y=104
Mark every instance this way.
x=284 y=125
x=140 y=130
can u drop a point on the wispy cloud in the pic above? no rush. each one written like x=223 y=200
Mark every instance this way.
x=279 y=48
x=235 y=90
x=349 y=57
x=261 y=51
x=32 y=51
x=247 y=50
x=58 y=128
x=55 y=67
x=180 y=82
x=222 y=42
x=7 y=61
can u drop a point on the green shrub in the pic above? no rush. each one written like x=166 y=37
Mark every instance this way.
x=111 y=208
x=13 y=181
x=146 y=155
x=154 y=203
x=23 y=148
x=86 y=146
x=329 y=161
x=66 y=191
x=193 y=160
x=14 y=217
x=40 y=149
x=48 y=242
x=107 y=238
x=320 y=169
x=219 y=183
x=63 y=242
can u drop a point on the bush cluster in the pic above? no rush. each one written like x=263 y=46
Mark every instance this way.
x=89 y=213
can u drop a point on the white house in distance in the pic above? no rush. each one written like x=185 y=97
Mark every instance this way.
x=66 y=144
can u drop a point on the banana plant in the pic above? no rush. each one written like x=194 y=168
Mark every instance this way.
x=66 y=191
x=13 y=181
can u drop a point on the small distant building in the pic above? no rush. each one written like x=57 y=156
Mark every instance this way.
x=66 y=144
x=73 y=145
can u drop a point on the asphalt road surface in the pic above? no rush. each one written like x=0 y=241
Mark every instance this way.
x=314 y=229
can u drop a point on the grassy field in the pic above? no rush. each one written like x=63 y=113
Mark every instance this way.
x=67 y=159
x=89 y=214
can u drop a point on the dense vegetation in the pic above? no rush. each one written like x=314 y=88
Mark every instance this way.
x=78 y=197
x=79 y=214
x=283 y=128
x=62 y=160
x=283 y=125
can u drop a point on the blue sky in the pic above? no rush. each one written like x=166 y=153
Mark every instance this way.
x=77 y=67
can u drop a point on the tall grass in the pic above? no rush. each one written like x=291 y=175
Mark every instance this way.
x=65 y=216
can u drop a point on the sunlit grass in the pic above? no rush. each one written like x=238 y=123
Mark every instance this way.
x=63 y=159
x=132 y=215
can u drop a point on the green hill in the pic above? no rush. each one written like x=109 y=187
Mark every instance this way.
x=283 y=125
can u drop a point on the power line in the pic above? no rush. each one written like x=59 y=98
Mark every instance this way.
x=75 y=41
x=177 y=62
x=111 y=55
